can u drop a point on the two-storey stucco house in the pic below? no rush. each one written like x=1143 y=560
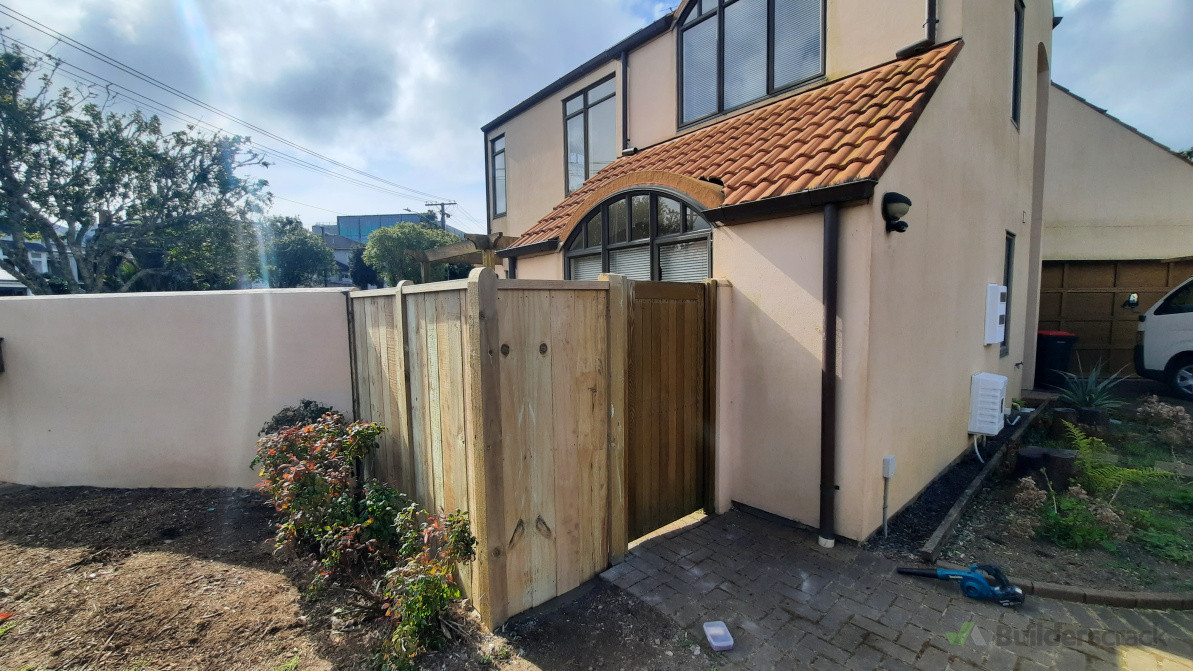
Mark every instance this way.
x=761 y=142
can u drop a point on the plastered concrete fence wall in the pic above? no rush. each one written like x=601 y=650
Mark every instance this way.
x=501 y=399
x=160 y=390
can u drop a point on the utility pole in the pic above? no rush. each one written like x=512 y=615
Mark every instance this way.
x=442 y=212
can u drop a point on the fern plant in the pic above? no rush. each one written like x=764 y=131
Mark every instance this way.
x=1098 y=474
x=1092 y=390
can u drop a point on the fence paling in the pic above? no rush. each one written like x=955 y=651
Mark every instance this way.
x=499 y=399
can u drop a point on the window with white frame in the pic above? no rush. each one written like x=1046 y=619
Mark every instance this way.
x=644 y=235
x=733 y=52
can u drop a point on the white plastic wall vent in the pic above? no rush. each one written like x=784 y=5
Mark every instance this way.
x=987 y=396
x=996 y=313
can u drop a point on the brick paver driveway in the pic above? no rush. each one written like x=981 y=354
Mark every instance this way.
x=791 y=604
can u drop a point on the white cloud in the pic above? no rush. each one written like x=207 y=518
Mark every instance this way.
x=1133 y=58
x=399 y=89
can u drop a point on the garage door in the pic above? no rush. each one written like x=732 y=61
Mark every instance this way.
x=1086 y=298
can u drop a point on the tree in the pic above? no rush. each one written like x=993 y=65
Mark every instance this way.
x=127 y=204
x=294 y=256
x=389 y=251
x=363 y=275
x=1188 y=153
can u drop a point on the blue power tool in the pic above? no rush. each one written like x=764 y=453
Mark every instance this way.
x=976 y=582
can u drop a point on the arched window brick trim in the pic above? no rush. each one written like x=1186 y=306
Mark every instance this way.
x=701 y=193
x=646 y=233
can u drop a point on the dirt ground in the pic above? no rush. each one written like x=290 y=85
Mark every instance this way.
x=982 y=536
x=186 y=579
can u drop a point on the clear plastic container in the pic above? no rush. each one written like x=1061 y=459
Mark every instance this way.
x=718 y=635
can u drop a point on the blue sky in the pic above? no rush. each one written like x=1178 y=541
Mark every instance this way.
x=400 y=89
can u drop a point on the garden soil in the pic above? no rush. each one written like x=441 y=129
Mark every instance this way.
x=187 y=579
x=984 y=536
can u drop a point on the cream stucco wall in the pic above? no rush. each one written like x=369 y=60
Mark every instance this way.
x=928 y=284
x=862 y=33
x=1109 y=192
x=534 y=156
x=653 y=105
x=771 y=354
x=160 y=390
x=541 y=267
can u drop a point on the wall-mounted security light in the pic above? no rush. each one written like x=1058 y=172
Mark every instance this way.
x=895 y=206
x=1132 y=301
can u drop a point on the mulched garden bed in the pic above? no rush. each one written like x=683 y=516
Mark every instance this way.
x=186 y=579
x=912 y=526
x=1151 y=550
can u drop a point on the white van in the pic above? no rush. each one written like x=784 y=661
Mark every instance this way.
x=1164 y=345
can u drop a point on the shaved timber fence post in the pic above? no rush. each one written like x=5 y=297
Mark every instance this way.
x=485 y=459
x=619 y=425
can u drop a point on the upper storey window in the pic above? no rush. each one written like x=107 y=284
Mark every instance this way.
x=1017 y=65
x=733 y=52
x=497 y=160
x=590 y=131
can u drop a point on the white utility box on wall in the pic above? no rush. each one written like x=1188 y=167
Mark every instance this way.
x=987 y=396
x=996 y=313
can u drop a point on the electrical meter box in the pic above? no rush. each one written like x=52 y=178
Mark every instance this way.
x=996 y=313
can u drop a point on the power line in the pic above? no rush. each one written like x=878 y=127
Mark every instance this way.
x=127 y=69
x=142 y=100
x=442 y=212
x=296 y=202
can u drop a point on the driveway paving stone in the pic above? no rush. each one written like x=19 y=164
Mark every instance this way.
x=791 y=604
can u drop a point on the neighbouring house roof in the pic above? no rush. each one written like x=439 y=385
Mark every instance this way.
x=843 y=131
x=1124 y=124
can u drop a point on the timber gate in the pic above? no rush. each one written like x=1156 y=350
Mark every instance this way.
x=567 y=418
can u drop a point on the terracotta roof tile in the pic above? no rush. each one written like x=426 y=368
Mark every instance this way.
x=839 y=132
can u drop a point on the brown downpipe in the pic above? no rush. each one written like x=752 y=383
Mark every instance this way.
x=625 y=99
x=929 y=40
x=828 y=378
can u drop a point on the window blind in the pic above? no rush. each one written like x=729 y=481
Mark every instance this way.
x=586 y=267
x=634 y=262
x=684 y=262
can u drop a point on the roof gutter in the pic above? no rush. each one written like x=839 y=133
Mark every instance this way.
x=803 y=201
x=533 y=248
x=630 y=43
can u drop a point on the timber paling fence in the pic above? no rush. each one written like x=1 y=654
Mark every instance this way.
x=508 y=398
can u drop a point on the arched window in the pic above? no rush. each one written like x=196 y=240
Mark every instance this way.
x=644 y=235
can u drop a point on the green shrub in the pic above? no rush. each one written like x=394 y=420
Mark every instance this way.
x=1073 y=525
x=1099 y=475
x=1090 y=391
x=1182 y=498
x=306 y=412
x=418 y=591
x=368 y=528
x=308 y=473
x=1165 y=544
